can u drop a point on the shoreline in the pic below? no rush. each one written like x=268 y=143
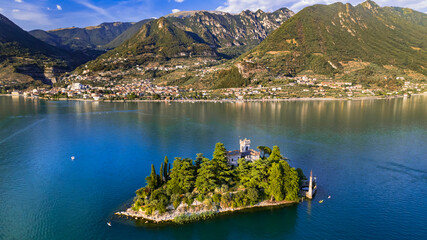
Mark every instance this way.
x=170 y=216
x=224 y=100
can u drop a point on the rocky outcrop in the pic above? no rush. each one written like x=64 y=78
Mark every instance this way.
x=221 y=29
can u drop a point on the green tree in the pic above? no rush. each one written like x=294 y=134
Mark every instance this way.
x=275 y=155
x=221 y=167
x=181 y=176
x=152 y=179
x=243 y=171
x=264 y=151
x=206 y=180
x=292 y=185
x=253 y=195
x=199 y=160
x=276 y=184
x=165 y=169
x=162 y=177
x=259 y=174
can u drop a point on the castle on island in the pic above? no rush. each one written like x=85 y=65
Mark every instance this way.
x=308 y=187
x=245 y=152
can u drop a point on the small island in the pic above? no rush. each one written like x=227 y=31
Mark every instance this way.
x=191 y=190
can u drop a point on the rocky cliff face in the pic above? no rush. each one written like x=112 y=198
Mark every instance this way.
x=226 y=30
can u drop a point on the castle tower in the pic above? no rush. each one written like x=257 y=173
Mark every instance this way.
x=245 y=145
x=310 y=186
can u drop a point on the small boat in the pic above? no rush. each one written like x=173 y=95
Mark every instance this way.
x=321 y=201
x=109 y=224
x=72 y=158
x=329 y=197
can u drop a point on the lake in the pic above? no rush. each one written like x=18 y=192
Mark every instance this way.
x=370 y=156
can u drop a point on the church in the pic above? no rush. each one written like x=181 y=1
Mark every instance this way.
x=245 y=152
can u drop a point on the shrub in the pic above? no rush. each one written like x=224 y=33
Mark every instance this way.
x=216 y=198
x=200 y=197
x=224 y=188
x=226 y=200
x=253 y=195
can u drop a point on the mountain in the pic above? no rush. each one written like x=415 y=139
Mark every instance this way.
x=126 y=35
x=191 y=40
x=24 y=58
x=231 y=31
x=219 y=29
x=88 y=38
x=157 y=42
x=342 y=40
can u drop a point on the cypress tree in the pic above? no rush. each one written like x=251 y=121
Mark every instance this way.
x=199 y=160
x=162 y=177
x=275 y=180
x=152 y=182
x=165 y=170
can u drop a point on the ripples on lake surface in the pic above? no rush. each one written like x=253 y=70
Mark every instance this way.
x=370 y=156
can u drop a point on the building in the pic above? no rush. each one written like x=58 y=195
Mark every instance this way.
x=309 y=187
x=245 y=152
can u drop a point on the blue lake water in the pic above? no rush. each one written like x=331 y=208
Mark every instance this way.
x=370 y=156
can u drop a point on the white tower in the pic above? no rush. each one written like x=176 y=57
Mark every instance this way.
x=245 y=145
x=310 y=186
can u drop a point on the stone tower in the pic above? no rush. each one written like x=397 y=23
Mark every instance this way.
x=310 y=186
x=245 y=145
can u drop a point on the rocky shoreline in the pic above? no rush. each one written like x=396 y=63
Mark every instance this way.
x=198 y=209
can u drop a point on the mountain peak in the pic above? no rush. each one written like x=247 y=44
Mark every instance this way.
x=371 y=5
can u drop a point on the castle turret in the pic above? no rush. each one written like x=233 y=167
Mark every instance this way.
x=245 y=145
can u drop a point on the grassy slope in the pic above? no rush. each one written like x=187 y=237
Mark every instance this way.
x=338 y=32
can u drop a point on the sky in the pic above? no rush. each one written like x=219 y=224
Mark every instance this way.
x=53 y=14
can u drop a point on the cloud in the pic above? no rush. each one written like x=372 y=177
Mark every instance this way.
x=18 y=1
x=175 y=10
x=1 y=10
x=179 y=1
x=236 y=6
x=95 y=8
x=58 y=7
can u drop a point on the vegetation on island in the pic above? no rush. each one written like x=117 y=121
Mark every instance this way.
x=212 y=184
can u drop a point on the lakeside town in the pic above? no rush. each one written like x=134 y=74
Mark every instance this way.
x=289 y=88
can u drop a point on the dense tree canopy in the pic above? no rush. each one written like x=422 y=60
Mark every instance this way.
x=216 y=183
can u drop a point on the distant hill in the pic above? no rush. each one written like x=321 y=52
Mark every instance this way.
x=126 y=35
x=330 y=39
x=88 y=38
x=24 y=58
x=156 y=42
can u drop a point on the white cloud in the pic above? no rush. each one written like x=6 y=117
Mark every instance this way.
x=18 y=1
x=175 y=10
x=179 y=1
x=59 y=7
x=1 y=10
x=236 y=6
x=95 y=8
